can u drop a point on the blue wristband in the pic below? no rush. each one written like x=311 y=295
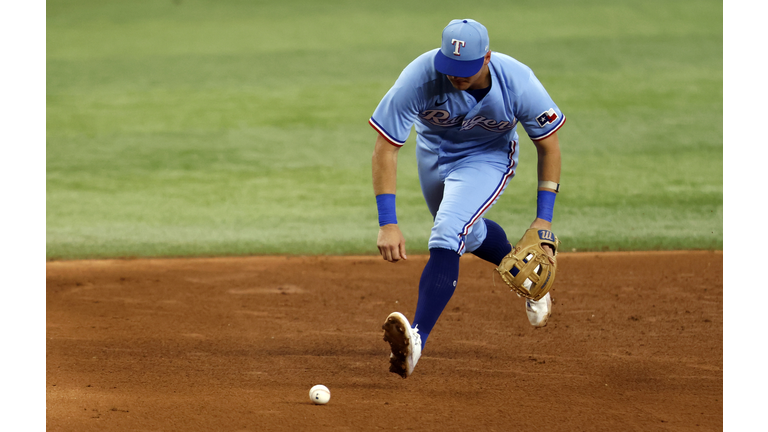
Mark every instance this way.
x=545 y=205
x=387 y=211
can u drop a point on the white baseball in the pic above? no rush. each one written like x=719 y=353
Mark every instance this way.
x=320 y=394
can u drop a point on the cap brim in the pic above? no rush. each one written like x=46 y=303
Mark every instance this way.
x=452 y=67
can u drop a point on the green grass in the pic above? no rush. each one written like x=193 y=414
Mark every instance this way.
x=240 y=127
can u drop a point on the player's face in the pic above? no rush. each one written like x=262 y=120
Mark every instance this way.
x=461 y=83
x=477 y=81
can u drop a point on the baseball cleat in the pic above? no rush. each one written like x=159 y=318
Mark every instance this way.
x=405 y=343
x=539 y=311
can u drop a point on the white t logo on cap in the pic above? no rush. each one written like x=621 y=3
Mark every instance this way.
x=456 y=46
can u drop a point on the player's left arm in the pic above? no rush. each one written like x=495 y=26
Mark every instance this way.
x=548 y=150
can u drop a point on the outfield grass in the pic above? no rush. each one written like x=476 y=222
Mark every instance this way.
x=240 y=127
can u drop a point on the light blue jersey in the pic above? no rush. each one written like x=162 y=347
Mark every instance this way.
x=450 y=122
x=467 y=151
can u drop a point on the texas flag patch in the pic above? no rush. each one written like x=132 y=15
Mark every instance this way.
x=546 y=117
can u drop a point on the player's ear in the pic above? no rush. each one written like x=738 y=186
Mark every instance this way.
x=487 y=58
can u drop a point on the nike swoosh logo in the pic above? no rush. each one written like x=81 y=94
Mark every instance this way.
x=440 y=103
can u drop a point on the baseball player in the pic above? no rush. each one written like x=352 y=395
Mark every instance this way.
x=465 y=102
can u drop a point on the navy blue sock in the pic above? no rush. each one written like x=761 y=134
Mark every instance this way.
x=436 y=287
x=495 y=246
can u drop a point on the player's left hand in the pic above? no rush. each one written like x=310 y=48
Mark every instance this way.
x=543 y=224
x=531 y=262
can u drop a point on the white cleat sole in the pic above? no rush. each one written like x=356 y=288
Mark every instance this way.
x=397 y=334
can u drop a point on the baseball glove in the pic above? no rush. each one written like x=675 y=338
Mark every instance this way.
x=528 y=269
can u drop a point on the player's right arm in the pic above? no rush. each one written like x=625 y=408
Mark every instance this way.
x=393 y=119
x=390 y=242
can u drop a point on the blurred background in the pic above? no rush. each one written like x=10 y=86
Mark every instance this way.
x=192 y=127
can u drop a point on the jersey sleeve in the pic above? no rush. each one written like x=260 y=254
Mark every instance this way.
x=536 y=111
x=397 y=111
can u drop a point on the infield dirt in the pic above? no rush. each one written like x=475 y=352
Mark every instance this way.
x=635 y=343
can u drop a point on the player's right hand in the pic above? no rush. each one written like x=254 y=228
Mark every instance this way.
x=391 y=243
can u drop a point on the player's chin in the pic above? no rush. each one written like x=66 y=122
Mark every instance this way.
x=459 y=84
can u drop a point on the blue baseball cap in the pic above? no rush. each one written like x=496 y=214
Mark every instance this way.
x=465 y=43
